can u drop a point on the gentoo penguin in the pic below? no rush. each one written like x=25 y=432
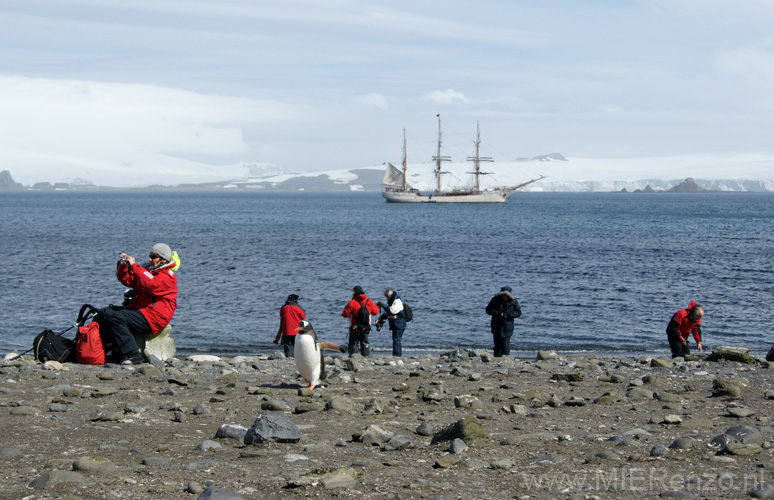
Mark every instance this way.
x=308 y=354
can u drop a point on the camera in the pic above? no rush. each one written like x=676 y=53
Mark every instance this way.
x=379 y=325
x=123 y=261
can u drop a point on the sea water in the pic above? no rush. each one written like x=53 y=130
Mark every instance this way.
x=599 y=272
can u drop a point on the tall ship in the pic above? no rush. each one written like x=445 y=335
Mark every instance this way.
x=397 y=190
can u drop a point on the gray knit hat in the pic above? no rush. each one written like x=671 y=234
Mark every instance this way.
x=163 y=251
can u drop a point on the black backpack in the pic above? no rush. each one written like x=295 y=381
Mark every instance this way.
x=407 y=312
x=52 y=347
x=362 y=319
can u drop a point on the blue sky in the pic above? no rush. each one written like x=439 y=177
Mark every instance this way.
x=191 y=90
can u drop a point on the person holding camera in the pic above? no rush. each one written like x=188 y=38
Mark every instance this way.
x=395 y=315
x=503 y=308
x=150 y=309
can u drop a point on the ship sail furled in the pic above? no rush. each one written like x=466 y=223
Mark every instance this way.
x=393 y=176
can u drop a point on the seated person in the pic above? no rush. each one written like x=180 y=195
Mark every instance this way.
x=149 y=311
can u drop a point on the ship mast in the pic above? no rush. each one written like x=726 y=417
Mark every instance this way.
x=438 y=159
x=478 y=158
x=404 y=160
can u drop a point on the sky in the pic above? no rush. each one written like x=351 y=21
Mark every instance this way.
x=138 y=92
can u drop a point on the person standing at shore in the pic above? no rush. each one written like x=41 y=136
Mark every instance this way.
x=291 y=315
x=359 y=330
x=396 y=317
x=503 y=308
x=683 y=323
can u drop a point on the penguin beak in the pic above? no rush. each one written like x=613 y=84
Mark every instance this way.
x=298 y=329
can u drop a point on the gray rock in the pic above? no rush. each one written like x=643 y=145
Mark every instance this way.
x=375 y=435
x=232 y=431
x=56 y=477
x=639 y=393
x=209 y=445
x=547 y=355
x=94 y=465
x=9 y=453
x=307 y=407
x=762 y=490
x=194 y=487
x=201 y=409
x=213 y=493
x=739 y=411
x=58 y=408
x=457 y=446
x=201 y=464
x=745 y=434
x=150 y=461
x=683 y=443
x=425 y=429
x=396 y=443
x=272 y=427
x=659 y=451
x=25 y=411
x=275 y=405
x=341 y=403
x=661 y=363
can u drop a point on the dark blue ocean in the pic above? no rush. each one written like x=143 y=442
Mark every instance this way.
x=600 y=272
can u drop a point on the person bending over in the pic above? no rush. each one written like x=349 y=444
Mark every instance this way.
x=683 y=323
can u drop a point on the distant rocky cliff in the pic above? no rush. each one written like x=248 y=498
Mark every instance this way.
x=687 y=186
x=7 y=183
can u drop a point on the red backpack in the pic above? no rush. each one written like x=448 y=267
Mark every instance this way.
x=89 y=347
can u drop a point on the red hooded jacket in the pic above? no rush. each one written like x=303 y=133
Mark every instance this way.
x=354 y=305
x=156 y=292
x=685 y=325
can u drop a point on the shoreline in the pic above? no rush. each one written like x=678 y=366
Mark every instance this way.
x=458 y=425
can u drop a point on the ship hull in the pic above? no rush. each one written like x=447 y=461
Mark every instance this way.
x=494 y=196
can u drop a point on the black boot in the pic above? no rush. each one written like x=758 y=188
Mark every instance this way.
x=133 y=358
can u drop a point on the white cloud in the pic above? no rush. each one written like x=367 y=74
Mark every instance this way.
x=444 y=96
x=376 y=100
x=119 y=130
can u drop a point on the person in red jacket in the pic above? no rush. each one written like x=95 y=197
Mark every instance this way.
x=683 y=323
x=151 y=308
x=291 y=315
x=358 y=333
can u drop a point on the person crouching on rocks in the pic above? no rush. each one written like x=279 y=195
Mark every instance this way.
x=503 y=308
x=150 y=310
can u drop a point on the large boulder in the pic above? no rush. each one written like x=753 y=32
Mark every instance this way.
x=272 y=427
x=161 y=345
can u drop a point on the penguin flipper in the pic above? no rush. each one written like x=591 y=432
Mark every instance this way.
x=331 y=346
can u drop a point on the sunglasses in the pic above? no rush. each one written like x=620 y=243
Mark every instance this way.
x=153 y=256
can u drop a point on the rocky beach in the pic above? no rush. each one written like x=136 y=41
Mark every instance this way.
x=462 y=425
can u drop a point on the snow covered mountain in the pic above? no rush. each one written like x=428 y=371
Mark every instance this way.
x=718 y=172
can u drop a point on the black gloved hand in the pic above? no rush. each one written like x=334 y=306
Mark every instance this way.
x=381 y=304
x=276 y=341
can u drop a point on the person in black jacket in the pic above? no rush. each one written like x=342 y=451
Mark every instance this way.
x=394 y=313
x=503 y=308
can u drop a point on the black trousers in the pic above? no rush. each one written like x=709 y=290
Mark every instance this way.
x=361 y=338
x=289 y=345
x=116 y=325
x=502 y=345
x=679 y=348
